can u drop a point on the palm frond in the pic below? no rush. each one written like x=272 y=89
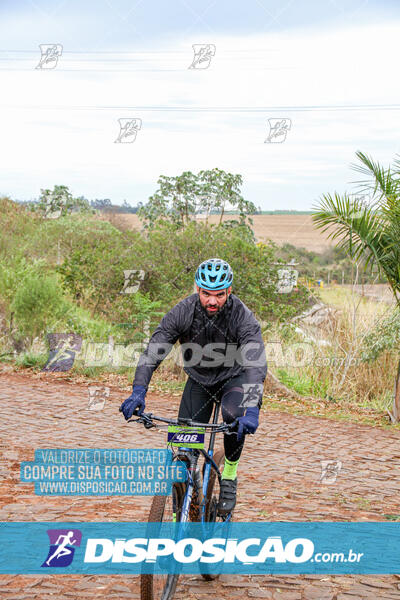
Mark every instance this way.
x=396 y=165
x=378 y=179
x=370 y=232
x=356 y=228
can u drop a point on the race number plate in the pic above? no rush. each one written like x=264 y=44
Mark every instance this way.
x=186 y=436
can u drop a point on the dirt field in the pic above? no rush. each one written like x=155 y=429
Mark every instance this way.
x=279 y=479
x=293 y=229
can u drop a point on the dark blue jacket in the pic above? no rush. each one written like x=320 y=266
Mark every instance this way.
x=234 y=328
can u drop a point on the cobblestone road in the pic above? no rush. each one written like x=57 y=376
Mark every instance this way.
x=284 y=459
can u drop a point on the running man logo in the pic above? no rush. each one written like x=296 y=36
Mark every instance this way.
x=278 y=129
x=62 y=350
x=287 y=280
x=131 y=277
x=61 y=551
x=203 y=54
x=55 y=207
x=97 y=397
x=252 y=394
x=50 y=55
x=128 y=129
x=329 y=471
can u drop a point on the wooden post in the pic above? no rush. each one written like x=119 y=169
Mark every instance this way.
x=110 y=349
x=395 y=416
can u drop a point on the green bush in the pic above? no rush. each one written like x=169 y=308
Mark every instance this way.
x=170 y=257
x=13 y=272
x=303 y=383
x=384 y=336
x=93 y=272
x=30 y=359
x=38 y=304
x=67 y=274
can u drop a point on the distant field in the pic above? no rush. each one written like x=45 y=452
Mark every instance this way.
x=293 y=229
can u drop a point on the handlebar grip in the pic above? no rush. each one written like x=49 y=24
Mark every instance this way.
x=184 y=420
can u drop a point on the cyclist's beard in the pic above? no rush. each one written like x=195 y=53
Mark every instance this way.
x=212 y=313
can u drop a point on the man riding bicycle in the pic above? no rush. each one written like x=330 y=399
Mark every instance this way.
x=224 y=357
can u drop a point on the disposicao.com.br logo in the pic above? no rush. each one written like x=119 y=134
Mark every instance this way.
x=229 y=547
x=213 y=550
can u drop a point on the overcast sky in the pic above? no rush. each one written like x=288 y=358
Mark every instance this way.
x=329 y=67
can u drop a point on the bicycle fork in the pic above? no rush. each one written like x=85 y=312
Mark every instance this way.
x=193 y=480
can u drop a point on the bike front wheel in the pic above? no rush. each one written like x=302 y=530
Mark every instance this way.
x=163 y=509
x=211 y=499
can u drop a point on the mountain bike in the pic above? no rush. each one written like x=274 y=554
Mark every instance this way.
x=196 y=498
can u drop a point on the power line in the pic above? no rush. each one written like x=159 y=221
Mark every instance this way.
x=219 y=109
x=144 y=51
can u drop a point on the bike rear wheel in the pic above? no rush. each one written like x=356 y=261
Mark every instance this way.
x=154 y=586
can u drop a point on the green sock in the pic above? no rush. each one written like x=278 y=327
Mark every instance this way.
x=230 y=469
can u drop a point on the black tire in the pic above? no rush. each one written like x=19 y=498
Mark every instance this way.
x=162 y=587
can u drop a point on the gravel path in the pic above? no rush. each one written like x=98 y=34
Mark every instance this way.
x=283 y=459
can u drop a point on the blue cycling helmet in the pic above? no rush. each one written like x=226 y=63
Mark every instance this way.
x=214 y=274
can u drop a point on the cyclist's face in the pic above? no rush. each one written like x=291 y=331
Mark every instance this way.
x=213 y=301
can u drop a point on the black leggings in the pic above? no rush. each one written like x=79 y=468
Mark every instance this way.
x=198 y=401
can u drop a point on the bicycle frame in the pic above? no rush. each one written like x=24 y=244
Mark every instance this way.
x=193 y=456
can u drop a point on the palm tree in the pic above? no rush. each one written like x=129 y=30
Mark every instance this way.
x=370 y=232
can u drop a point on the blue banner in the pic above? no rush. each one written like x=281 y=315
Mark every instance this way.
x=247 y=548
x=102 y=472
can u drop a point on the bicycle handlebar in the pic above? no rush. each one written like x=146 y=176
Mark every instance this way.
x=148 y=418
